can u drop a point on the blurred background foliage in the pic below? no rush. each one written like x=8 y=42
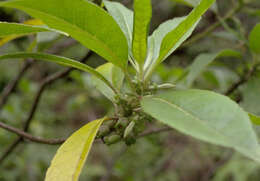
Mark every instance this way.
x=72 y=101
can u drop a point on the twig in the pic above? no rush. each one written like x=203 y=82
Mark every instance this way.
x=111 y=164
x=156 y=131
x=11 y=86
x=207 y=176
x=46 y=82
x=211 y=28
x=242 y=80
x=30 y=137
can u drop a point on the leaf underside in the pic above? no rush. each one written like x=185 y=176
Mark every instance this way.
x=207 y=116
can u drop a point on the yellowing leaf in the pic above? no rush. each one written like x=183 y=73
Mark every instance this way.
x=71 y=156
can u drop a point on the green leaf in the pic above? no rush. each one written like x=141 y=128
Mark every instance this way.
x=203 y=60
x=250 y=93
x=114 y=75
x=254 y=119
x=207 y=116
x=11 y=31
x=174 y=38
x=84 y=21
x=254 y=39
x=191 y=3
x=59 y=60
x=124 y=18
x=194 y=3
x=157 y=37
x=142 y=18
x=16 y=29
x=71 y=156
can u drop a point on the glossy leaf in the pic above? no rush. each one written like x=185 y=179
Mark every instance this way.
x=205 y=115
x=203 y=60
x=174 y=38
x=11 y=31
x=71 y=156
x=254 y=38
x=114 y=75
x=124 y=18
x=142 y=18
x=59 y=60
x=254 y=119
x=84 y=21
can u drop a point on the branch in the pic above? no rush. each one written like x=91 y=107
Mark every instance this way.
x=211 y=28
x=11 y=86
x=242 y=80
x=212 y=170
x=30 y=137
x=155 y=131
x=46 y=82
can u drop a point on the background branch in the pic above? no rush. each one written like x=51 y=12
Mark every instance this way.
x=46 y=82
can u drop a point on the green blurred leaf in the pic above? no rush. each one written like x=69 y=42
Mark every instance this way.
x=142 y=18
x=59 y=60
x=203 y=60
x=207 y=116
x=250 y=93
x=255 y=119
x=254 y=39
x=114 y=75
x=124 y=18
x=84 y=21
x=71 y=156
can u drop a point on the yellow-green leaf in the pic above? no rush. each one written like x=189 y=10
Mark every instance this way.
x=71 y=156
x=11 y=31
x=254 y=39
x=254 y=119
x=114 y=75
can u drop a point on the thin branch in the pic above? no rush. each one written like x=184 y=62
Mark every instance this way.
x=242 y=80
x=210 y=173
x=46 y=82
x=155 y=131
x=111 y=164
x=30 y=137
x=211 y=28
x=11 y=86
